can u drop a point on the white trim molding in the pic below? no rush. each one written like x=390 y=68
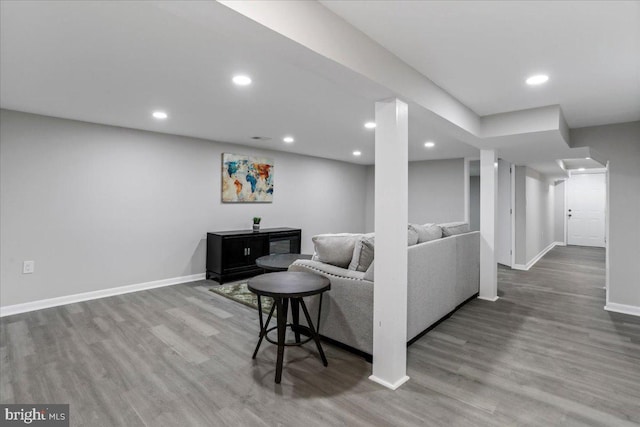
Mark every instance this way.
x=623 y=308
x=537 y=257
x=494 y=299
x=102 y=293
x=393 y=386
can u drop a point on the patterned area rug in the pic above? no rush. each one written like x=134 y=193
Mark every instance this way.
x=238 y=292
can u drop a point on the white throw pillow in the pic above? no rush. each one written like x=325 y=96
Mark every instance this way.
x=363 y=253
x=427 y=232
x=412 y=236
x=335 y=249
x=369 y=274
x=453 y=228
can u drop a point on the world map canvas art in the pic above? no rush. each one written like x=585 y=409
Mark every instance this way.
x=246 y=179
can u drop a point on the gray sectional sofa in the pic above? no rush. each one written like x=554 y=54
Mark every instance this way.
x=442 y=274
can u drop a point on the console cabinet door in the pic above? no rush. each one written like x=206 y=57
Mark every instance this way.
x=258 y=246
x=234 y=252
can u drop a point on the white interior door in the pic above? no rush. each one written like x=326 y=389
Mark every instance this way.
x=586 y=203
x=503 y=226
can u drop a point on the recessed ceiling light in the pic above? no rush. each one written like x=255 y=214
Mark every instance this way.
x=587 y=158
x=495 y=165
x=537 y=79
x=288 y=139
x=581 y=169
x=357 y=153
x=242 y=80
x=160 y=115
x=370 y=125
x=429 y=144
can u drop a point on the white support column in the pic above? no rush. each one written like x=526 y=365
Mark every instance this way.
x=488 y=215
x=391 y=215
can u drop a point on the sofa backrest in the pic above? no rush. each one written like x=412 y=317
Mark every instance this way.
x=444 y=254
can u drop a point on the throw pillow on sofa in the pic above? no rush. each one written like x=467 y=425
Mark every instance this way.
x=363 y=253
x=335 y=249
x=453 y=228
x=368 y=275
x=412 y=236
x=427 y=232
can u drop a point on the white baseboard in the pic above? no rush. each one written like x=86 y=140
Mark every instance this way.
x=494 y=299
x=537 y=257
x=393 y=386
x=8 y=310
x=623 y=308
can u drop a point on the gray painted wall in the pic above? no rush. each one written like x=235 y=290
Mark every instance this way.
x=99 y=207
x=535 y=214
x=620 y=144
x=540 y=214
x=436 y=192
x=474 y=203
x=559 y=210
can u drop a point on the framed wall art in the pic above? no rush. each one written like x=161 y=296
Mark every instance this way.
x=246 y=179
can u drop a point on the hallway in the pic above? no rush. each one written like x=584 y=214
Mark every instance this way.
x=545 y=353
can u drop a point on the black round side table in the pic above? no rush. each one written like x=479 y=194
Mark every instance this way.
x=279 y=262
x=283 y=287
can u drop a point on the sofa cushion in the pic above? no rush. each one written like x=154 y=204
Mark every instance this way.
x=363 y=253
x=412 y=236
x=427 y=232
x=368 y=275
x=453 y=228
x=335 y=249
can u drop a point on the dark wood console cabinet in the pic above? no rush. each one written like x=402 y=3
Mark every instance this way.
x=232 y=255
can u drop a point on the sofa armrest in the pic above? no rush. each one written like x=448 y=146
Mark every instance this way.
x=347 y=310
x=326 y=269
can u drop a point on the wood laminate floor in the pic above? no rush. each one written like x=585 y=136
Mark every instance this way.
x=545 y=354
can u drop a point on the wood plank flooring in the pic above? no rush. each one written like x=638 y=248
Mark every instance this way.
x=545 y=354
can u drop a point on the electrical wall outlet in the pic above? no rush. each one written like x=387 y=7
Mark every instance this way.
x=28 y=267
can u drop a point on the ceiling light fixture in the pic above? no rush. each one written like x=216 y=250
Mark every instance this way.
x=429 y=144
x=242 y=80
x=495 y=165
x=288 y=139
x=370 y=125
x=160 y=115
x=581 y=169
x=357 y=153
x=587 y=158
x=537 y=79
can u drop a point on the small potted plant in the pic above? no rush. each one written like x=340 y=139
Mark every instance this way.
x=256 y=223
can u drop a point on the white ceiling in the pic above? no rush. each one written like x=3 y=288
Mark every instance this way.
x=116 y=62
x=482 y=51
x=586 y=163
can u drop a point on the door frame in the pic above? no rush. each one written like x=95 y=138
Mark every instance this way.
x=467 y=201
x=513 y=213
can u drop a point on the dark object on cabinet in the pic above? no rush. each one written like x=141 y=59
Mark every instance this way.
x=232 y=255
